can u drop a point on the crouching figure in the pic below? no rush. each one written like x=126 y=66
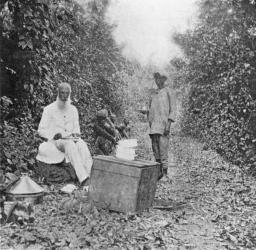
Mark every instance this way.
x=59 y=125
x=106 y=134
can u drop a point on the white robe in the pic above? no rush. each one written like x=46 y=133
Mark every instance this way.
x=66 y=121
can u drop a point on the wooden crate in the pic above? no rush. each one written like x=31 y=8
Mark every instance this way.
x=121 y=185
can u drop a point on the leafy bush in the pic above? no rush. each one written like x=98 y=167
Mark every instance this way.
x=44 y=43
x=221 y=73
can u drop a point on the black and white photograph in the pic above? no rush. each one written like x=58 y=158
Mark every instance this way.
x=128 y=124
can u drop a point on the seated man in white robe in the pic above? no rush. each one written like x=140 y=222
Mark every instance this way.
x=60 y=126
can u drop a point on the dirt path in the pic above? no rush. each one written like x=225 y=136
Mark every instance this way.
x=181 y=199
x=215 y=203
x=193 y=227
x=208 y=204
x=219 y=211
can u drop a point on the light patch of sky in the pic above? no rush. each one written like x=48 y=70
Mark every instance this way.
x=144 y=28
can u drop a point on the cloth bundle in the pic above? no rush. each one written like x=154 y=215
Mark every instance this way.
x=126 y=149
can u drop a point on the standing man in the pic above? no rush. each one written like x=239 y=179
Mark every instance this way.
x=160 y=117
x=60 y=126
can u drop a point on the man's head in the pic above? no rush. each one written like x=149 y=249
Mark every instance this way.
x=102 y=114
x=64 y=91
x=159 y=79
x=126 y=122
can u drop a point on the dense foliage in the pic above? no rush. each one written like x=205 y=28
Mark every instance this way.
x=45 y=42
x=221 y=77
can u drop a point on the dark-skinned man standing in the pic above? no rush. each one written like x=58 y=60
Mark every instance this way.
x=160 y=117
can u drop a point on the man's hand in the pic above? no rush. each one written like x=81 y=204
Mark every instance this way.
x=117 y=135
x=57 y=136
x=167 y=129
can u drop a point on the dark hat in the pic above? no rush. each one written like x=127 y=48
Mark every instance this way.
x=157 y=75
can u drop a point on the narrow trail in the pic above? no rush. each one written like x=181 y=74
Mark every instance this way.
x=192 y=227
x=219 y=201
x=181 y=199
x=212 y=202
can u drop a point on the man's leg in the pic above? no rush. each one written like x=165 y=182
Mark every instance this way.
x=164 y=146
x=155 y=146
x=84 y=154
x=98 y=146
x=155 y=139
x=72 y=152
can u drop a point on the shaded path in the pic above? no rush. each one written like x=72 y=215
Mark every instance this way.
x=220 y=201
x=219 y=210
x=181 y=201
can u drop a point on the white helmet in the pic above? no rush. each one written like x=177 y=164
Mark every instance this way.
x=48 y=153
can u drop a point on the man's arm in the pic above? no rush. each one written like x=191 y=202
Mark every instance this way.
x=76 y=130
x=171 y=119
x=121 y=129
x=172 y=106
x=149 y=106
x=44 y=125
x=102 y=132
